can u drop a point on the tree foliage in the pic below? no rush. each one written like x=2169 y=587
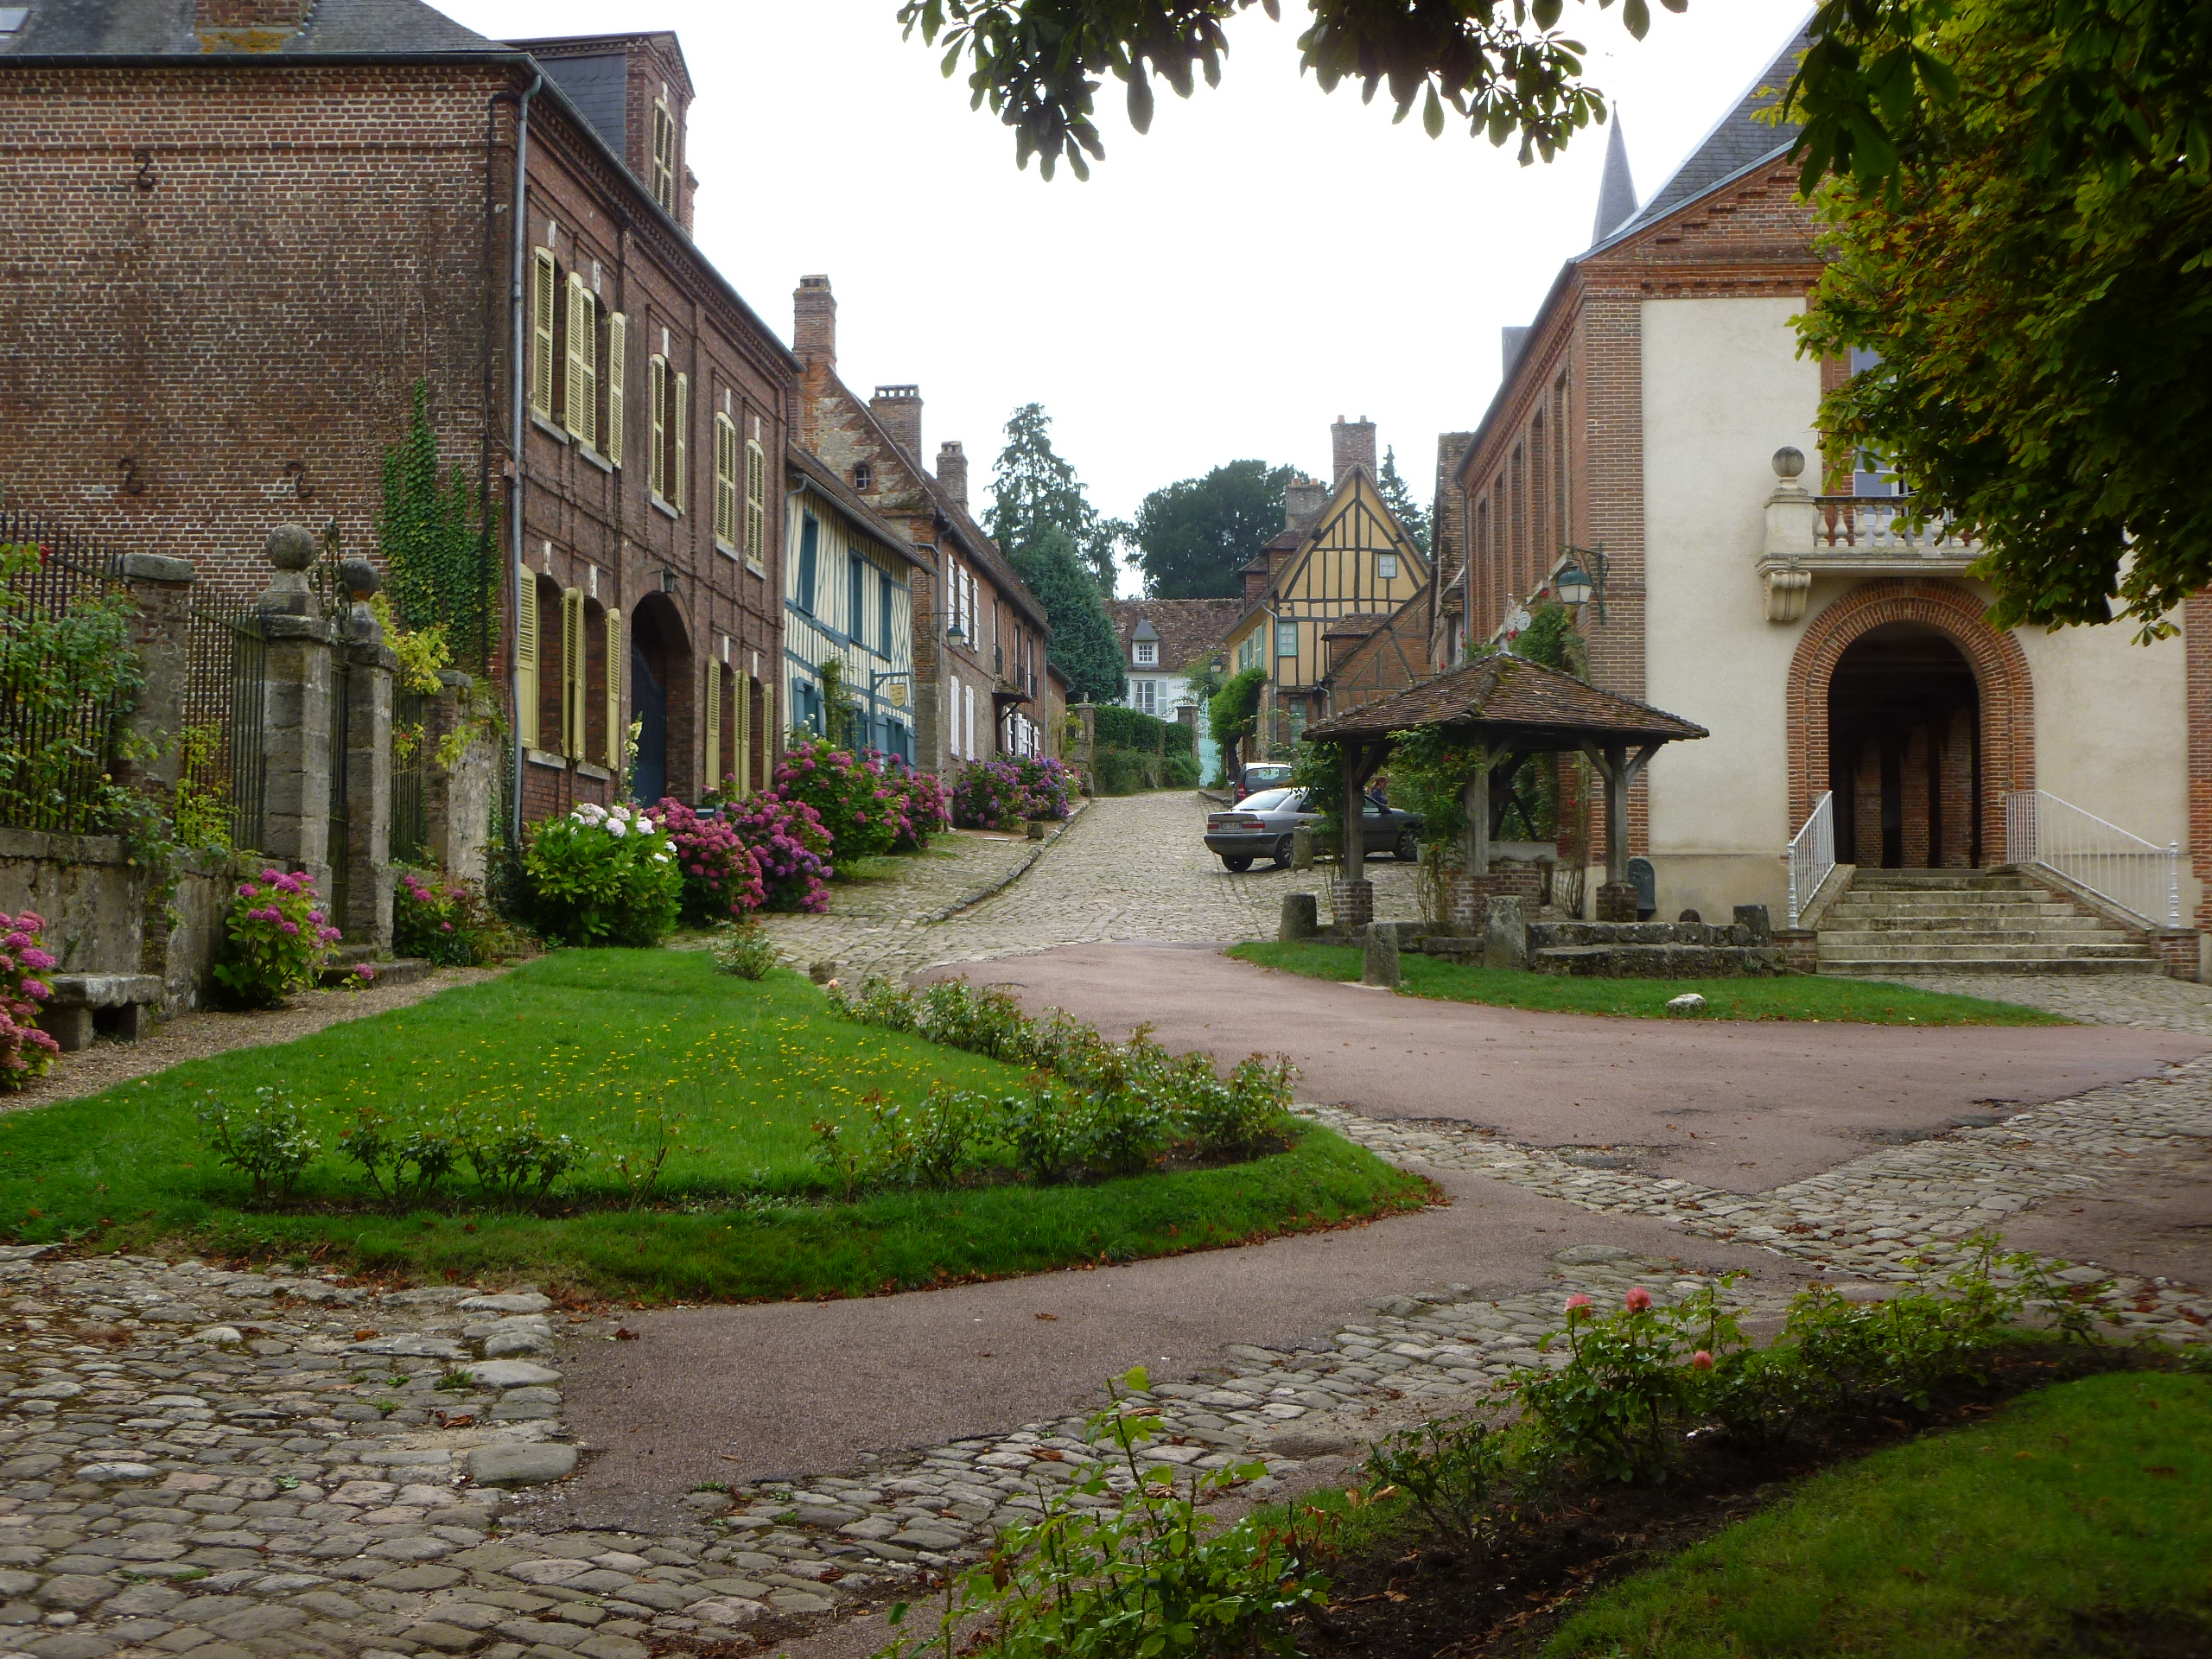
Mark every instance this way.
x=439 y=551
x=1502 y=67
x=1235 y=712
x=2025 y=241
x=1034 y=488
x=1400 y=499
x=1084 y=643
x=1194 y=536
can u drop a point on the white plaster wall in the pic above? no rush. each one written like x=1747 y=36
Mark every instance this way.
x=1723 y=390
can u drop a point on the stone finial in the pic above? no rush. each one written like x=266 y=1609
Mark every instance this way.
x=360 y=578
x=1788 y=463
x=291 y=548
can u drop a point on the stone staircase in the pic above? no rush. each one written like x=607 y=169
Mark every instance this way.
x=1892 y=922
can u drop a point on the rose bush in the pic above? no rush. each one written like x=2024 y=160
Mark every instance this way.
x=277 y=939
x=847 y=792
x=25 y=1051
x=721 y=875
x=791 y=846
x=602 y=876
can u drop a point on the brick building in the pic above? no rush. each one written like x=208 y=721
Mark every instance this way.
x=980 y=635
x=1164 y=642
x=243 y=230
x=1648 y=434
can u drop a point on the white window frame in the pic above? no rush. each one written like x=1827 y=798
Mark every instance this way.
x=1386 y=567
x=1148 y=653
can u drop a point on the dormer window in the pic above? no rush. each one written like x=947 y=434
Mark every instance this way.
x=1148 y=653
x=863 y=476
x=664 y=156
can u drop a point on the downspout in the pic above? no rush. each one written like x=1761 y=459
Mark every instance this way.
x=485 y=545
x=515 y=429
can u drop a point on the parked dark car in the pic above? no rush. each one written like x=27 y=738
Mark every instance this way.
x=1259 y=826
x=1262 y=774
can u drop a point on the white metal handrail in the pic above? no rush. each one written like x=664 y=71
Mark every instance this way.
x=1812 y=854
x=2140 y=876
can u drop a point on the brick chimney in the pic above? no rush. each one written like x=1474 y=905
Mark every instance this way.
x=814 y=321
x=1354 y=444
x=1302 y=502
x=1255 y=576
x=249 y=25
x=952 y=471
x=898 y=409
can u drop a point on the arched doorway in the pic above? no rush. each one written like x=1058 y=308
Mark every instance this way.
x=1903 y=710
x=660 y=678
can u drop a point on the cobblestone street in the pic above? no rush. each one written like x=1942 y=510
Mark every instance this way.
x=1126 y=867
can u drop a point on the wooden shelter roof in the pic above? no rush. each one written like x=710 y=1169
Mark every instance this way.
x=1513 y=695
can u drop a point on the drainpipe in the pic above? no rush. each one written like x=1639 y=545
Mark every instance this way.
x=515 y=426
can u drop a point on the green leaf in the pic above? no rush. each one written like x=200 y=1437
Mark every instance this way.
x=1432 y=115
x=1140 y=99
x=1636 y=17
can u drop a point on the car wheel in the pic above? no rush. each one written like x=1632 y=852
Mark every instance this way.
x=1408 y=850
x=1238 y=865
x=1282 y=852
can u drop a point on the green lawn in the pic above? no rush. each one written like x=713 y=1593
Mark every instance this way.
x=1797 y=996
x=2074 y=1521
x=586 y=1036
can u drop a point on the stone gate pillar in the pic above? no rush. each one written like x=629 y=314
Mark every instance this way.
x=161 y=637
x=295 y=709
x=367 y=920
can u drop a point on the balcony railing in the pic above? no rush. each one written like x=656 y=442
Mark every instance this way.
x=1878 y=523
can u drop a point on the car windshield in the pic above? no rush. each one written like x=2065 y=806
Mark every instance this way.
x=1270 y=800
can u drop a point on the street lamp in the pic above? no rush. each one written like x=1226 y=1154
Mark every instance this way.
x=1572 y=585
x=1574 y=582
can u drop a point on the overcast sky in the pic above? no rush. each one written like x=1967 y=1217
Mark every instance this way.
x=1266 y=259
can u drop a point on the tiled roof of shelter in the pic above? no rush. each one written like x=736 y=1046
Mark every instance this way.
x=1503 y=690
x=1191 y=630
x=171 y=28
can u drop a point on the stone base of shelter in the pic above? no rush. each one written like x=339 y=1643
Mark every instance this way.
x=1351 y=903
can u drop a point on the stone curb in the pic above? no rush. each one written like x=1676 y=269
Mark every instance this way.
x=946 y=912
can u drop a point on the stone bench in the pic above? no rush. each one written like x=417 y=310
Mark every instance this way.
x=107 y=1005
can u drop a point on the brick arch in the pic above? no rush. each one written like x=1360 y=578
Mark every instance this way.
x=2006 y=695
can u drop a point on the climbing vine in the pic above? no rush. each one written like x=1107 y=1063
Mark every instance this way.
x=437 y=547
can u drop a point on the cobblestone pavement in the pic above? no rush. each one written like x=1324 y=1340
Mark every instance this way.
x=1081 y=891
x=2145 y=1001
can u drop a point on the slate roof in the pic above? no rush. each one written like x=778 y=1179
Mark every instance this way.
x=1512 y=692
x=168 y=28
x=1190 y=630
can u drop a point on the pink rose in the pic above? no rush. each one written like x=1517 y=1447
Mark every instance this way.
x=1701 y=1361
x=1577 y=1302
x=1638 y=1299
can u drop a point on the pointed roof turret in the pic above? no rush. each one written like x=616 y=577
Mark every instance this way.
x=1616 y=194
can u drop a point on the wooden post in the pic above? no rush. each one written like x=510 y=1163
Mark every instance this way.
x=1475 y=795
x=1616 y=783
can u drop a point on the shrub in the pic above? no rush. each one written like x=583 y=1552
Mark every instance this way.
x=25 y=1051
x=921 y=802
x=847 y=794
x=1458 y=1472
x=68 y=677
x=1123 y=1560
x=405 y=1156
x=277 y=939
x=268 y=1141
x=602 y=876
x=1001 y=794
x=721 y=876
x=1121 y=772
x=517 y=1159
x=442 y=921
x=743 y=948
x=790 y=848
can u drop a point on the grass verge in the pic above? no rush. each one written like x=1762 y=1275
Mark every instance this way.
x=2072 y=1521
x=1798 y=996
x=587 y=1038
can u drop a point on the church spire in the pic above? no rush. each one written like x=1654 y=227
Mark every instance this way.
x=1616 y=195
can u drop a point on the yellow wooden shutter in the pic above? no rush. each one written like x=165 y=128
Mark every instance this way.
x=618 y=341
x=580 y=399
x=714 y=726
x=614 y=694
x=680 y=489
x=744 y=744
x=543 y=287
x=756 y=502
x=725 y=481
x=526 y=662
x=657 y=460
x=572 y=673
x=767 y=731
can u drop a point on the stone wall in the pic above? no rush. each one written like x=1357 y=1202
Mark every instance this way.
x=104 y=914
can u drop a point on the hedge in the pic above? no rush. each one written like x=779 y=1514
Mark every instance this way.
x=1124 y=771
x=1118 y=728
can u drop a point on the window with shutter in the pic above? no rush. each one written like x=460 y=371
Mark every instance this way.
x=544 y=289
x=741 y=737
x=714 y=726
x=618 y=341
x=856 y=597
x=656 y=450
x=664 y=156
x=526 y=662
x=615 y=692
x=680 y=450
x=572 y=673
x=725 y=481
x=756 y=504
x=809 y=542
x=580 y=398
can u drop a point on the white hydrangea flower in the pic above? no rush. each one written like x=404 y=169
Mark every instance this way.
x=616 y=828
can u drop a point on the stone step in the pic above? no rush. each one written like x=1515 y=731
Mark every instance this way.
x=1894 y=967
x=1657 y=961
x=398 y=970
x=1945 y=898
x=1937 y=949
x=1893 y=938
x=2066 y=922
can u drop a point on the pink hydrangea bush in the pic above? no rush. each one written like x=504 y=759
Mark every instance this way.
x=25 y=1051
x=1001 y=794
x=721 y=875
x=442 y=921
x=791 y=846
x=279 y=938
x=848 y=792
x=923 y=804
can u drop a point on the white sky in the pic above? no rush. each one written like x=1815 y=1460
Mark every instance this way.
x=1266 y=259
